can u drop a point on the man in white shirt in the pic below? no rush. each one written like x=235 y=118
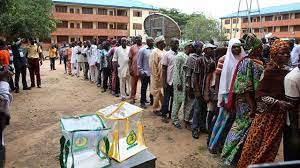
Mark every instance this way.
x=295 y=55
x=80 y=59
x=73 y=59
x=121 y=57
x=291 y=136
x=92 y=53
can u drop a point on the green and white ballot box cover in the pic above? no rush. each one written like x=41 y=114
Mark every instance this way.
x=82 y=139
x=126 y=135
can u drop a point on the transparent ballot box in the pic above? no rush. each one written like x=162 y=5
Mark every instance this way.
x=82 y=139
x=126 y=134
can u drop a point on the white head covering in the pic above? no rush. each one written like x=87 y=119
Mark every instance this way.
x=159 y=39
x=229 y=66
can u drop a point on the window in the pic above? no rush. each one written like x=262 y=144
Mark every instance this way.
x=86 y=38
x=227 y=30
x=277 y=18
x=78 y=25
x=268 y=18
x=284 y=28
x=122 y=26
x=137 y=13
x=244 y=30
x=270 y=29
x=297 y=28
x=102 y=25
x=285 y=17
x=72 y=39
x=61 y=9
x=77 y=10
x=137 y=26
x=71 y=10
x=102 y=11
x=72 y=25
x=245 y=20
x=87 y=25
x=235 y=30
x=87 y=10
x=112 y=26
x=234 y=21
x=111 y=12
x=61 y=39
x=63 y=24
x=227 y=21
x=121 y=13
x=258 y=19
x=297 y=15
x=256 y=30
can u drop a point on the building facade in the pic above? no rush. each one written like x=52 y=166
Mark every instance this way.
x=97 y=19
x=282 y=21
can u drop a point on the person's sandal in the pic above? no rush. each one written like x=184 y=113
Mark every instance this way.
x=177 y=125
x=195 y=134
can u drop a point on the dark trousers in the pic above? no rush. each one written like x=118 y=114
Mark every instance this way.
x=34 y=70
x=199 y=116
x=291 y=143
x=86 y=70
x=20 y=69
x=145 y=80
x=11 y=84
x=65 y=63
x=168 y=96
x=106 y=75
x=2 y=151
x=52 y=63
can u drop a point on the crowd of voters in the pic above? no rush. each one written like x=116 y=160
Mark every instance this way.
x=244 y=95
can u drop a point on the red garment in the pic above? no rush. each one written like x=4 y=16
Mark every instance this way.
x=133 y=56
x=4 y=57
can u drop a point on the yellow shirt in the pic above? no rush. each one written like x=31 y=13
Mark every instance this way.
x=52 y=52
x=33 y=51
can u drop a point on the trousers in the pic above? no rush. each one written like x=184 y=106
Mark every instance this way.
x=168 y=96
x=34 y=71
x=20 y=69
x=134 y=81
x=124 y=83
x=52 y=63
x=145 y=81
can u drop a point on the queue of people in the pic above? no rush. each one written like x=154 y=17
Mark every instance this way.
x=244 y=96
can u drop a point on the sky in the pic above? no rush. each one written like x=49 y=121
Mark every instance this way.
x=213 y=8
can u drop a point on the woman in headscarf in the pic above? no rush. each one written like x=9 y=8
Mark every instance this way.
x=265 y=133
x=224 y=121
x=242 y=96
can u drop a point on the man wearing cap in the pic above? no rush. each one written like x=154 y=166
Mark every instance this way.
x=189 y=84
x=144 y=70
x=133 y=69
x=156 y=74
x=168 y=63
x=179 y=81
x=203 y=68
x=121 y=56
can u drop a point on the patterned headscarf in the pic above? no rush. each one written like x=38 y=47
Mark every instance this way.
x=251 y=42
x=276 y=46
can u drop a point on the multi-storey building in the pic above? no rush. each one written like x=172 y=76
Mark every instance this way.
x=282 y=21
x=102 y=19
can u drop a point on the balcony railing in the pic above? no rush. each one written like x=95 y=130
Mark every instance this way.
x=90 y=32
x=91 y=17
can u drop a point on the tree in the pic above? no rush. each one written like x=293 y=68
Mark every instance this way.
x=196 y=26
x=199 y=27
x=179 y=17
x=30 y=18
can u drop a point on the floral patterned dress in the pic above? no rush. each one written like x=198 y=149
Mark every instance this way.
x=247 y=78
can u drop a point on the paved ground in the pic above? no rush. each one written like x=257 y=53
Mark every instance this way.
x=33 y=136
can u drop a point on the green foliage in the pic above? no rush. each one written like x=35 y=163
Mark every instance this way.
x=196 y=26
x=30 y=18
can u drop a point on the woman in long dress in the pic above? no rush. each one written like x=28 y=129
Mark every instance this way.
x=245 y=81
x=224 y=121
x=265 y=133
